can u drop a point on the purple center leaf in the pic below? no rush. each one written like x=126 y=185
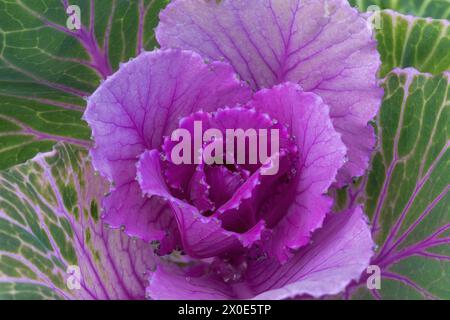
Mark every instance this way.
x=227 y=213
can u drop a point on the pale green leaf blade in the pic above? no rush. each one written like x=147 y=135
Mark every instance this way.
x=406 y=41
x=407 y=188
x=439 y=9
x=46 y=68
x=50 y=220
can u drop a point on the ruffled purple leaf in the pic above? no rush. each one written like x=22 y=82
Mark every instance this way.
x=339 y=253
x=201 y=236
x=301 y=208
x=135 y=108
x=325 y=46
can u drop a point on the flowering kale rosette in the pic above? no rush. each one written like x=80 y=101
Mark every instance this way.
x=307 y=68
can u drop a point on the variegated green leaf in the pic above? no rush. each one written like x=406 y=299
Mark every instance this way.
x=405 y=41
x=46 y=67
x=407 y=188
x=439 y=9
x=50 y=226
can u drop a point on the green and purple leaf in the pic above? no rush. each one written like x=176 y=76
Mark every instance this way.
x=406 y=41
x=439 y=9
x=407 y=187
x=46 y=69
x=50 y=220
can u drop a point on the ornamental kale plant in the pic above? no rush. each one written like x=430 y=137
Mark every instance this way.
x=320 y=168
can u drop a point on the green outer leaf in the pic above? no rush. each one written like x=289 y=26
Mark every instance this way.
x=439 y=9
x=49 y=220
x=46 y=69
x=405 y=41
x=407 y=187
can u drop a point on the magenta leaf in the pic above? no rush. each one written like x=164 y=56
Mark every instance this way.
x=135 y=109
x=340 y=252
x=325 y=46
x=302 y=207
